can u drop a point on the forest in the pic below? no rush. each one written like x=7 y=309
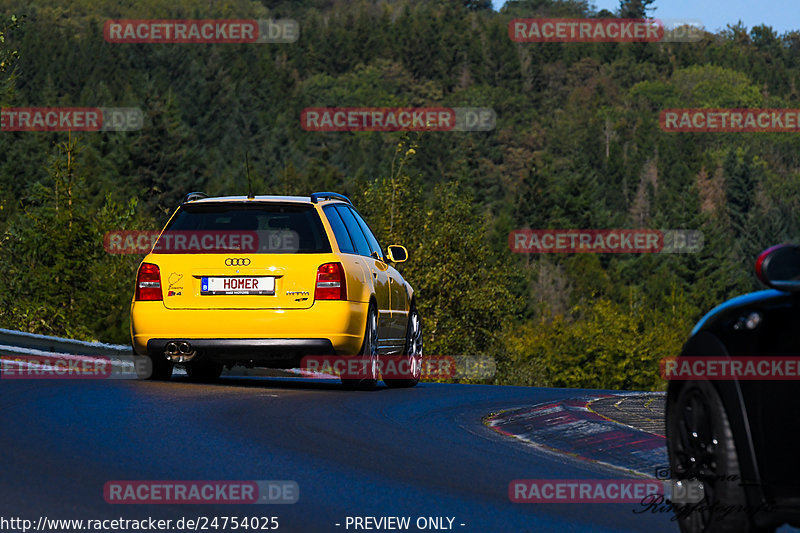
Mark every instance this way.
x=576 y=145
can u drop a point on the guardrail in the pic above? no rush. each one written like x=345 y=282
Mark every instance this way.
x=22 y=343
x=10 y=339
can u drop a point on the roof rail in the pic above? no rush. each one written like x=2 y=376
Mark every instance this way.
x=317 y=196
x=192 y=196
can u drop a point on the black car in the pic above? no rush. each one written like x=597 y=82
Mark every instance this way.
x=738 y=438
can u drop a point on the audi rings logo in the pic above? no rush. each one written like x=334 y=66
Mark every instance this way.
x=237 y=262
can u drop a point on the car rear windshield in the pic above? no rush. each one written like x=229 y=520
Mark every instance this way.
x=253 y=228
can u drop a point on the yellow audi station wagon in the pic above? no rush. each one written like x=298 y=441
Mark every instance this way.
x=265 y=281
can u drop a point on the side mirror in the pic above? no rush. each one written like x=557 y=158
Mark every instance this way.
x=778 y=267
x=396 y=253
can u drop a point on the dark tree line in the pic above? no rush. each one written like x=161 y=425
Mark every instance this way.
x=577 y=145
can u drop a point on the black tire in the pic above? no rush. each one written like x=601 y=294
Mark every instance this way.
x=412 y=351
x=155 y=368
x=701 y=446
x=204 y=371
x=369 y=352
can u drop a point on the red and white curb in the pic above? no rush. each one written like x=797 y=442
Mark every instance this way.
x=571 y=427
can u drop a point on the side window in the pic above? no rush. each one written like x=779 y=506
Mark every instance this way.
x=373 y=242
x=339 y=231
x=359 y=240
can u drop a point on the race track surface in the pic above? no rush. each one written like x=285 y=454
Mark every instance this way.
x=422 y=452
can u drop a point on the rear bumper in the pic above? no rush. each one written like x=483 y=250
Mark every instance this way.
x=262 y=336
x=276 y=353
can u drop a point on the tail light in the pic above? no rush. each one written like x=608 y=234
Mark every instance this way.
x=330 y=282
x=148 y=282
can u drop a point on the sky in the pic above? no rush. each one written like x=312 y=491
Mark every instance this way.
x=782 y=15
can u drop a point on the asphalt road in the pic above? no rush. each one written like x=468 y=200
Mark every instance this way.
x=421 y=452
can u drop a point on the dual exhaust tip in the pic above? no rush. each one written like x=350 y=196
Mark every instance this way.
x=179 y=351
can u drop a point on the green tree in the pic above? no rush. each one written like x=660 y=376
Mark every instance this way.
x=56 y=276
x=461 y=286
x=741 y=177
x=8 y=57
x=635 y=9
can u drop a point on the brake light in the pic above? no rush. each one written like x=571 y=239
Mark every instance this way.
x=330 y=282
x=760 y=263
x=148 y=282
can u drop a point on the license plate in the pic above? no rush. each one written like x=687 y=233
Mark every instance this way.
x=238 y=285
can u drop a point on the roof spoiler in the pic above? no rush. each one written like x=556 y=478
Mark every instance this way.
x=317 y=196
x=192 y=196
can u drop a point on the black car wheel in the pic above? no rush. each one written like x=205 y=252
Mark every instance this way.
x=412 y=360
x=701 y=447
x=369 y=355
